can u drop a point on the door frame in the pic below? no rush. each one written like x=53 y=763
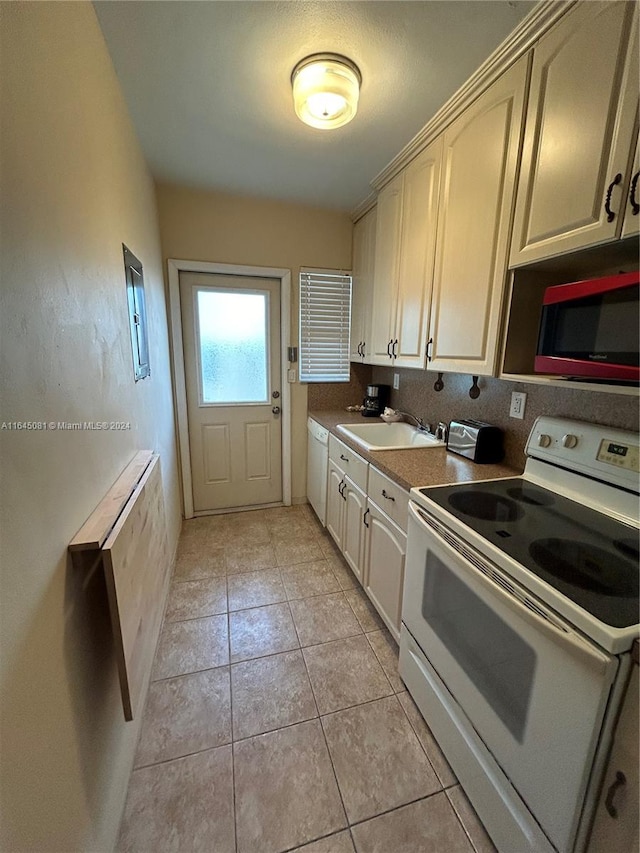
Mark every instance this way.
x=175 y=267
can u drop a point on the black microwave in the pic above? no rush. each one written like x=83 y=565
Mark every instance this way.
x=591 y=329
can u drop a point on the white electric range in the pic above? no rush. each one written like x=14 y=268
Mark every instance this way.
x=520 y=608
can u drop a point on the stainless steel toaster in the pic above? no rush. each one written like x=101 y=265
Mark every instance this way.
x=476 y=440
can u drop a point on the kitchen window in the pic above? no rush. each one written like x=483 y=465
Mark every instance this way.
x=325 y=325
x=137 y=315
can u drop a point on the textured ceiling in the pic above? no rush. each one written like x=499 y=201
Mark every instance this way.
x=208 y=85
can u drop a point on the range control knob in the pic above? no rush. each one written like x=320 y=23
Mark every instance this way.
x=544 y=440
x=569 y=440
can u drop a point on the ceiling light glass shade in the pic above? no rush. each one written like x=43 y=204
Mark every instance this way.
x=326 y=87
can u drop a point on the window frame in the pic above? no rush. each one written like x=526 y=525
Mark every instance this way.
x=134 y=278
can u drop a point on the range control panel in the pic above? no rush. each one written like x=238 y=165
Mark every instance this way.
x=607 y=454
x=619 y=454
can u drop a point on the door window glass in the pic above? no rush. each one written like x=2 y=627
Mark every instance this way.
x=233 y=346
x=498 y=661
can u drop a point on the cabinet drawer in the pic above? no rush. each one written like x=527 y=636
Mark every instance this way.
x=389 y=497
x=352 y=464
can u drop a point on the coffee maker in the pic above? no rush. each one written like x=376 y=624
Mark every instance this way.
x=376 y=400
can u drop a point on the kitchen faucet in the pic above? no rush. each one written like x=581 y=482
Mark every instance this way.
x=420 y=424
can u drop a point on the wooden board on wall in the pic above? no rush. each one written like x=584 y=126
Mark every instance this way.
x=136 y=565
x=97 y=527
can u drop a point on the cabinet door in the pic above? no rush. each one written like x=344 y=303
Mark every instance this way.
x=353 y=528
x=384 y=573
x=618 y=833
x=417 y=253
x=364 y=243
x=335 y=503
x=631 y=223
x=386 y=268
x=478 y=173
x=580 y=119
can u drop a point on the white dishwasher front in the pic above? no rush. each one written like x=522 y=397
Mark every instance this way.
x=317 y=456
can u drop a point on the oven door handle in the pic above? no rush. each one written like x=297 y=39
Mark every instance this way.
x=500 y=586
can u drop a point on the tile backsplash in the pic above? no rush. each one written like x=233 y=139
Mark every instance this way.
x=417 y=395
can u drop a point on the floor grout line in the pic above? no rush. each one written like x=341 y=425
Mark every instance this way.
x=293 y=567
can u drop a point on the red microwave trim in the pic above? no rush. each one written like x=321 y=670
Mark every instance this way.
x=593 y=369
x=590 y=287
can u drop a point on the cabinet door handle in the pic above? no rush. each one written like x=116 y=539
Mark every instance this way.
x=607 y=204
x=364 y=344
x=364 y=517
x=344 y=458
x=395 y=344
x=388 y=497
x=389 y=349
x=340 y=485
x=429 y=346
x=344 y=489
x=619 y=782
x=635 y=207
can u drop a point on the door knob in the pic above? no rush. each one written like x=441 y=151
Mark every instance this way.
x=276 y=410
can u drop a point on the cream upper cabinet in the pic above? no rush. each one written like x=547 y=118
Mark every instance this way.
x=479 y=162
x=579 y=133
x=364 y=245
x=631 y=223
x=405 y=249
x=385 y=273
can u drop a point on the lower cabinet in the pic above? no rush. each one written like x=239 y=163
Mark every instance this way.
x=372 y=540
x=616 y=825
x=346 y=504
x=353 y=535
x=386 y=548
x=335 y=503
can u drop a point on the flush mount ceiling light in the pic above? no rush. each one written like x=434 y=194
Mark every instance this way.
x=326 y=87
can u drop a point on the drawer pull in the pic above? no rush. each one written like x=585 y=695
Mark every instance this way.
x=619 y=782
x=344 y=458
x=607 y=205
x=388 y=497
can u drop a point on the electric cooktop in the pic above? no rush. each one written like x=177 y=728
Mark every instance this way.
x=584 y=554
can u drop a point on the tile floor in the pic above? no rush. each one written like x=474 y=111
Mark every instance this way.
x=276 y=719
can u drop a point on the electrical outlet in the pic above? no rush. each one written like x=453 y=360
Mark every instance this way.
x=518 y=403
x=396 y=381
x=291 y=374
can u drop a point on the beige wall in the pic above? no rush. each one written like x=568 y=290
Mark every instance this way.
x=74 y=188
x=210 y=226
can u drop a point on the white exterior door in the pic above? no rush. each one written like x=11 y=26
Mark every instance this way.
x=231 y=333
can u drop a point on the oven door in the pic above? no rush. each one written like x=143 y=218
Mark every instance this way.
x=533 y=690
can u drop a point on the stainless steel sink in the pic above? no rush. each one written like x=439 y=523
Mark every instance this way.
x=395 y=436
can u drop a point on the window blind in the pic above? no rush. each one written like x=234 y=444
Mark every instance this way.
x=325 y=325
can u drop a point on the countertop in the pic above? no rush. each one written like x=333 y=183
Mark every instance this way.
x=425 y=466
